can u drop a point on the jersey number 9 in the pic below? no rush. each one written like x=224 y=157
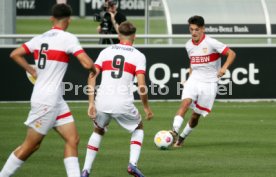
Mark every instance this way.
x=118 y=63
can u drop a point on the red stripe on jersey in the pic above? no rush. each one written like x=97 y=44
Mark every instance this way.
x=62 y=116
x=98 y=66
x=93 y=148
x=202 y=108
x=78 y=52
x=224 y=52
x=53 y=55
x=26 y=49
x=107 y=65
x=140 y=72
x=136 y=142
x=204 y=58
x=128 y=67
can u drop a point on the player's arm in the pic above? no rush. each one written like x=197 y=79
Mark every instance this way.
x=87 y=62
x=142 y=90
x=18 y=56
x=231 y=55
x=91 y=94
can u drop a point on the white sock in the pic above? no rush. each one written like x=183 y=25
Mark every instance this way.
x=177 y=122
x=11 y=165
x=187 y=130
x=135 y=146
x=72 y=166
x=92 y=149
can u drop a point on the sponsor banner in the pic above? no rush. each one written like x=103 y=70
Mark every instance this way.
x=127 y=7
x=252 y=75
x=223 y=29
x=43 y=8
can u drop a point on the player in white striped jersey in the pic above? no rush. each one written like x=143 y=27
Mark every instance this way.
x=48 y=109
x=114 y=99
x=205 y=70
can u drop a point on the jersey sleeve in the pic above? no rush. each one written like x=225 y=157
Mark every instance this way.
x=141 y=65
x=220 y=47
x=30 y=45
x=74 y=46
x=99 y=61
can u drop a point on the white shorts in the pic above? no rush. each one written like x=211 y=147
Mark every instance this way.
x=44 y=117
x=127 y=121
x=203 y=95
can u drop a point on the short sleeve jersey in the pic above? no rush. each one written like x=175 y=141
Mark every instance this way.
x=118 y=64
x=51 y=53
x=205 y=58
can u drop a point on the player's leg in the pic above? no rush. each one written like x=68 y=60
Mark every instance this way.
x=135 y=150
x=201 y=106
x=70 y=135
x=179 y=118
x=92 y=150
x=189 y=94
x=102 y=120
x=66 y=128
x=39 y=121
x=136 y=141
x=133 y=123
x=22 y=153
x=188 y=129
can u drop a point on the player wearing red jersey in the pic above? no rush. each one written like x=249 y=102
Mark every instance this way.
x=48 y=109
x=205 y=70
x=114 y=99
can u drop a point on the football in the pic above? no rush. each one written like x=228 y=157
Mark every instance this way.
x=30 y=77
x=163 y=139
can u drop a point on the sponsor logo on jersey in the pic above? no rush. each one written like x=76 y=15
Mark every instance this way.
x=204 y=58
x=205 y=50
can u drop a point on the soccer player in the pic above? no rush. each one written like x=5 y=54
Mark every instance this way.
x=205 y=70
x=48 y=109
x=119 y=64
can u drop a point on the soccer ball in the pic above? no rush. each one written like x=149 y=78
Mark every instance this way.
x=163 y=139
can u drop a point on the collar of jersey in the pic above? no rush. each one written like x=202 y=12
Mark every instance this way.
x=126 y=43
x=55 y=27
x=199 y=41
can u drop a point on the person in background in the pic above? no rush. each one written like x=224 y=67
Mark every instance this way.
x=110 y=21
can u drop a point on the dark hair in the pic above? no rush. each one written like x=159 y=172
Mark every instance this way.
x=196 y=20
x=111 y=2
x=126 y=28
x=60 y=11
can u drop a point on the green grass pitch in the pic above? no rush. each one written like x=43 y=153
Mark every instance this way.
x=235 y=140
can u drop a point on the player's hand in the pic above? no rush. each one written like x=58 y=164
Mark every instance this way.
x=149 y=113
x=92 y=111
x=112 y=15
x=99 y=29
x=221 y=72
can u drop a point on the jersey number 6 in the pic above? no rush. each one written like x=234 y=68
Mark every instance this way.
x=42 y=56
